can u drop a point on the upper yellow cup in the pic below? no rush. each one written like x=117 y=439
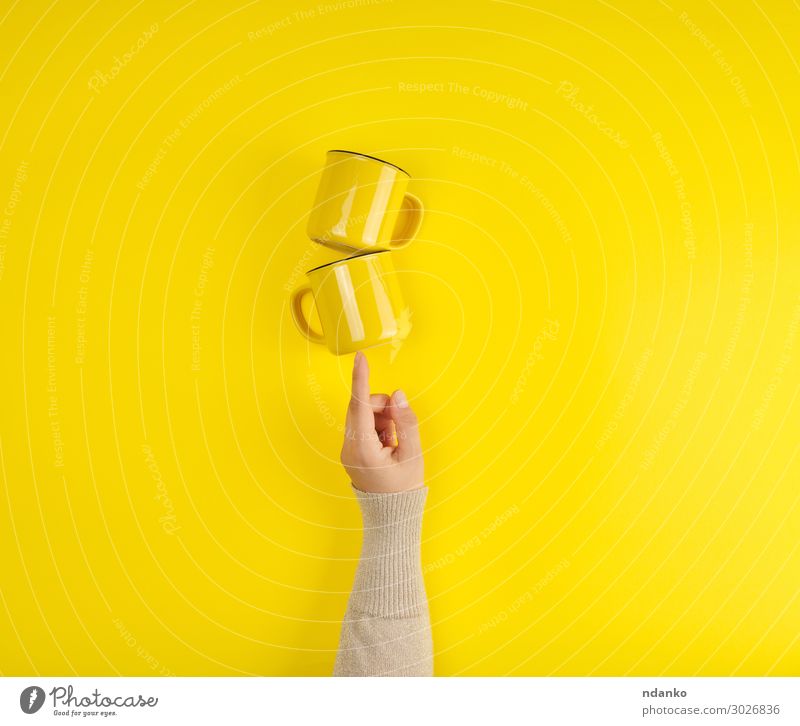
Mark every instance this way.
x=358 y=301
x=362 y=204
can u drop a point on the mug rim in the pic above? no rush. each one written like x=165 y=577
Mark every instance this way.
x=346 y=259
x=368 y=156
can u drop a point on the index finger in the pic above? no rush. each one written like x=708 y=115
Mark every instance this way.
x=360 y=418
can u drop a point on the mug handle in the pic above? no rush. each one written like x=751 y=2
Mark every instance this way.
x=411 y=210
x=300 y=319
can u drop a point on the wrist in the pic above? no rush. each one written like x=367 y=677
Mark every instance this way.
x=389 y=577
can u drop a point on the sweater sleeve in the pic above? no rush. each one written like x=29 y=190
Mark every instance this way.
x=386 y=629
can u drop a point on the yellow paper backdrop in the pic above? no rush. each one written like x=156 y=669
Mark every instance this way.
x=604 y=354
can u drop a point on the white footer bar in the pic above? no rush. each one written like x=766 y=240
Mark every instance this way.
x=406 y=702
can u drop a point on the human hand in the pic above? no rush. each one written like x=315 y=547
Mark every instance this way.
x=382 y=452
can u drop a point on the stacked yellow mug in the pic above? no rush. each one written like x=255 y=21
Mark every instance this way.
x=363 y=210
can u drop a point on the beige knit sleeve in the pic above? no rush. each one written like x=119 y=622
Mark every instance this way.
x=386 y=629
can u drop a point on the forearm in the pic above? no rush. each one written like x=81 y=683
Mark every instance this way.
x=386 y=629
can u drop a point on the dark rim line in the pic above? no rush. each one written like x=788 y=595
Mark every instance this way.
x=367 y=156
x=346 y=259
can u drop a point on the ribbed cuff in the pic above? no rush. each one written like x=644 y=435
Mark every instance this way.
x=389 y=580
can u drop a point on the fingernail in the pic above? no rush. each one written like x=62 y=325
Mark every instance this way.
x=358 y=357
x=400 y=399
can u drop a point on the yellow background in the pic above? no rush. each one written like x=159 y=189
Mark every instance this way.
x=604 y=351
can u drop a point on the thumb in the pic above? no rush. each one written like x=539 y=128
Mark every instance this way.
x=405 y=423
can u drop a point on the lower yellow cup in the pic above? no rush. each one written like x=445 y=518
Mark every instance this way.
x=358 y=301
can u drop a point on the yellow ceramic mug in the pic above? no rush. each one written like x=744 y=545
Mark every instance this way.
x=362 y=204
x=358 y=301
